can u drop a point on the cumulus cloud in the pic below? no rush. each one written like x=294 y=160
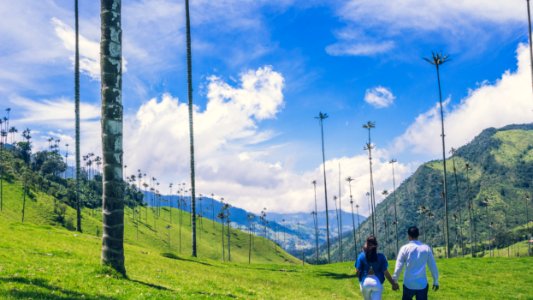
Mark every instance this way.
x=506 y=101
x=379 y=97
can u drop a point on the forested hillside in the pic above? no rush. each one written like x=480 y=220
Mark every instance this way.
x=490 y=180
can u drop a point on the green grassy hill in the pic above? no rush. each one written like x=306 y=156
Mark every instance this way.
x=161 y=234
x=48 y=262
x=42 y=259
x=501 y=172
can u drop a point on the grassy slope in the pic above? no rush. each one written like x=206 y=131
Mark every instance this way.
x=41 y=261
x=152 y=234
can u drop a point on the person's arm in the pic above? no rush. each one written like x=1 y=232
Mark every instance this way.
x=400 y=260
x=357 y=266
x=433 y=269
x=394 y=284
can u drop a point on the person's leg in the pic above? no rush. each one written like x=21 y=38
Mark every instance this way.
x=407 y=293
x=422 y=294
x=370 y=287
x=366 y=289
x=377 y=290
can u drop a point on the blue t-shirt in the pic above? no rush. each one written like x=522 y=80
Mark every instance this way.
x=379 y=266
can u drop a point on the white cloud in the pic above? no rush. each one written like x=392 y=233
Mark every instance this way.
x=507 y=101
x=379 y=97
x=459 y=23
x=89 y=50
x=356 y=49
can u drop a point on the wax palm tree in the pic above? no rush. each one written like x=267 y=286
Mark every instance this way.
x=369 y=126
x=321 y=117
x=486 y=203
x=12 y=131
x=77 y=115
x=470 y=210
x=315 y=220
x=422 y=210
x=530 y=38
x=113 y=195
x=392 y=162
x=349 y=179
x=222 y=216
x=251 y=218
x=437 y=59
x=340 y=214
x=26 y=172
x=460 y=240
x=191 y=133
x=339 y=237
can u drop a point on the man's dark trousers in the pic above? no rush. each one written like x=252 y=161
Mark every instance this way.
x=420 y=294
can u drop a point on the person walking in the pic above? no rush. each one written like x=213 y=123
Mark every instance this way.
x=371 y=269
x=415 y=256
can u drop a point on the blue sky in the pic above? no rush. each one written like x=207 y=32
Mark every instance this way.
x=262 y=71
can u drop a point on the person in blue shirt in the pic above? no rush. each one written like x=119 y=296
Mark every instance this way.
x=371 y=269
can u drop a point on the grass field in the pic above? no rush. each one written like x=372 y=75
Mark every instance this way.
x=42 y=261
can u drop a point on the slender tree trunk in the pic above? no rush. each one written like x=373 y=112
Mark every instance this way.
x=340 y=214
x=24 y=192
x=530 y=39
x=458 y=202
x=250 y=246
x=113 y=188
x=77 y=116
x=353 y=227
x=229 y=240
x=395 y=210
x=316 y=224
x=325 y=188
x=445 y=184
x=191 y=132
x=222 y=235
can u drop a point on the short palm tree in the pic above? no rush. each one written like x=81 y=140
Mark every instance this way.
x=111 y=85
x=437 y=59
x=315 y=220
x=349 y=179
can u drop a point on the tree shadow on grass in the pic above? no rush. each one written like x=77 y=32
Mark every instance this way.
x=174 y=256
x=336 y=275
x=39 y=288
x=155 y=286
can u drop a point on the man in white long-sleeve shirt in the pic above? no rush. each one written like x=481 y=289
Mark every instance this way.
x=415 y=256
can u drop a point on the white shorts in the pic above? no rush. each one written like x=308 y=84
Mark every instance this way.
x=371 y=288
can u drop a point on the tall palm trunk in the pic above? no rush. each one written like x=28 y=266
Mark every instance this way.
x=340 y=214
x=530 y=38
x=394 y=197
x=77 y=117
x=191 y=132
x=353 y=229
x=369 y=125
x=459 y=230
x=470 y=213
x=321 y=117
x=437 y=60
x=229 y=239
x=113 y=188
